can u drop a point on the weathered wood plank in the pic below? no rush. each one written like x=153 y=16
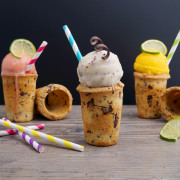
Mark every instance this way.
x=140 y=153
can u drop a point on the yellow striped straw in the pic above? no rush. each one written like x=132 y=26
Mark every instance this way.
x=173 y=48
x=53 y=139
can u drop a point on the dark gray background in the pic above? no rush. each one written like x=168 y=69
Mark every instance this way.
x=122 y=24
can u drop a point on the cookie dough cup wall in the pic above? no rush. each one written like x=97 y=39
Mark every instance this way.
x=19 y=96
x=101 y=113
x=148 y=89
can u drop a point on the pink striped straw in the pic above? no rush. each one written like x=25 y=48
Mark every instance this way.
x=10 y=131
x=36 y=55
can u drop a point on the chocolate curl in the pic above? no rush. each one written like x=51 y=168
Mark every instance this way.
x=94 y=40
x=99 y=47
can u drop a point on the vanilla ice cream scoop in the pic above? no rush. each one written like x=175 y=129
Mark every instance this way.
x=96 y=71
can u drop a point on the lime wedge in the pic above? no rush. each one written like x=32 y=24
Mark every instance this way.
x=171 y=130
x=20 y=46
x=153 y=46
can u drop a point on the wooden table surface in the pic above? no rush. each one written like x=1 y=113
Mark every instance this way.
x=140 y=153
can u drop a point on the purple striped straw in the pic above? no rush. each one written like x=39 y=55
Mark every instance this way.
x=29 y=140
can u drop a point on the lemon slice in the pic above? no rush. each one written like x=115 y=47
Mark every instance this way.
x=20 y=46
x=171 y=130
x=153 y=46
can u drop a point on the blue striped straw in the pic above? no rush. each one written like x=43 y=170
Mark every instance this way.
x=173 y=48
x=72 y=42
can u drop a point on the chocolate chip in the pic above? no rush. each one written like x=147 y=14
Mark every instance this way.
x=88 y=131
x=98 y=136
x=25 y=85
x=88 y=94
x=90 y=103
x=97 y=115
x=175 y=101
x=21 y=103
x=149 y=100
x=150 y=87
x=109 y=102
x=112 y=92
x=116 y=120
x=23 y=93
x=107 y=110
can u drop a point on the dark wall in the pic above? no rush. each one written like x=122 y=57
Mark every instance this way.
x=122 y=24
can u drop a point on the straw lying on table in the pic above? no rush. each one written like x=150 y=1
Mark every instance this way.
x=29 y=140
x=11 y=132
x=53 y=139
x=72 y=42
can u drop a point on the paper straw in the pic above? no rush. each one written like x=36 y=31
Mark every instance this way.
x=30 y=141
x=53 y=139
x=72 y=42
x=173 y=48
x=36 y=55
x=10 y=131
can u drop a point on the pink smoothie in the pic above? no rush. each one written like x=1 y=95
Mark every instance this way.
x=15 y=66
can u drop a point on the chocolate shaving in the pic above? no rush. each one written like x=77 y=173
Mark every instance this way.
x=94 y=40
x=99 y=47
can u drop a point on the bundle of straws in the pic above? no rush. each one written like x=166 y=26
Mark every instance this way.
x=24 y=133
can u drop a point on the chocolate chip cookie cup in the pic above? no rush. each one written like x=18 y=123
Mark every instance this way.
x=19 y=95
x=101 y=113
x=170 y=103
x=53 y=101
x=148 y=89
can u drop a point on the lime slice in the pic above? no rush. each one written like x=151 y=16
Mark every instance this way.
x=171 y=130
x=20 y=46
x=153 y=46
